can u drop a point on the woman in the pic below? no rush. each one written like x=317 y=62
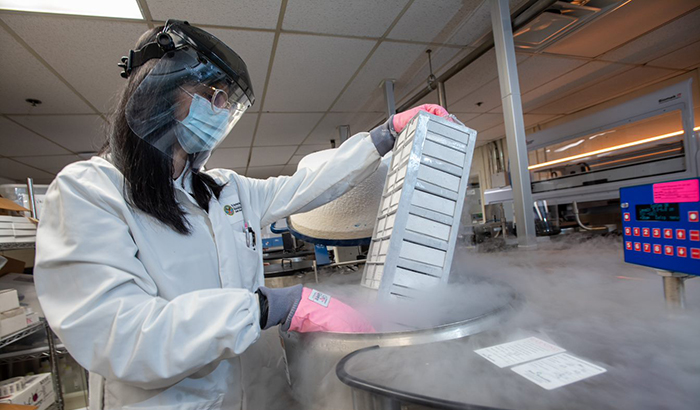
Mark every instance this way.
x=148 y=268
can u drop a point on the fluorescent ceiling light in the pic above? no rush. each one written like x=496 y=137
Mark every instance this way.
x=609 y=149
x=104 y=8
x=564 y=148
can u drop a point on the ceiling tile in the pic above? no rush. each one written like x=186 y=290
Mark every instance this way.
x=483 y=99
x=264 y=172
x=83 y=51
x=254 y=47
x=17 y=140
x=605 y=90
x=305 y=150
x=539 y=70
x=78 y=133
x=284 y=128
x=535 y=119
x=229 y=158
x=424 y=20
x=472 y=78
x=241 y=13
x=667 y=38
x=295 y=160
x=465 y=118
x=485 y=121
x=327 y=129
x=310 y=71
x=242 y=134
x=267 y=156
x=477 y=23
x=355 y=18
x=499 y=130
x=571 y=82
x=492 y=133
x=431 y=98
x=51 y=163
x=390 y=61
x=475 y=26
x=23 y=76
x=289 y=169
x=416 y=76
x=622 y=25
x=19 y=172
x=685 y=57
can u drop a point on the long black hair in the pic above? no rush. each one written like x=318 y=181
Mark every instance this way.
x=148 y=172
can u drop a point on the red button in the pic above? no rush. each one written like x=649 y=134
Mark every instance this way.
x=628 y=231
x=628 y=245
x=692 y=216
x=695 y=235
x=647 y=247
x=668 y=233
x=668 y=250
x=680 y=234
x=695 y=253
x=637 y=246
x=657 y=249
x=682 y=251
x=626 y=216
x=656 y=233
x=646 y=232
x=636 y=231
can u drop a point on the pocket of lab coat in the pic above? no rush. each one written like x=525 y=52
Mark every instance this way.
x=248 y=256
x=151 y=403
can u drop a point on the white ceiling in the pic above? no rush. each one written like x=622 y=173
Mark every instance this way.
x=316 y=65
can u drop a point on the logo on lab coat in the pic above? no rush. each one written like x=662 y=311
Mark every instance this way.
x=232 y=209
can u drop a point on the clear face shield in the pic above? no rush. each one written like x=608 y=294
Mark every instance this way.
x=186 y=103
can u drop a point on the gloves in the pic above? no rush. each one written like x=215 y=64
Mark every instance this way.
x=385 y=135
x=306 y=310
x=277 y=305
x=318 y=312
x=400 y=120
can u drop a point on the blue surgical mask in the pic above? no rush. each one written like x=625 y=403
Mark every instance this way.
x=207 y=127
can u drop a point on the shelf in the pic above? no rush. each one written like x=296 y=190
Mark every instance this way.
x=16 y=245
x=30 y=330
x=30 y=354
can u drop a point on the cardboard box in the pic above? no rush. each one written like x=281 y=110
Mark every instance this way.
x=7 y=205
x=8 y=300
x=5 y=406
x=12 y=265
x=38 y=391
x=12 y=321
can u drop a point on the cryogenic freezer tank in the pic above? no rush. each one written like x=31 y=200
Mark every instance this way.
x=347 y=220
x=311 y=357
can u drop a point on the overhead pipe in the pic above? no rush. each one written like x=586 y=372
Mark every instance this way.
x=521 y=17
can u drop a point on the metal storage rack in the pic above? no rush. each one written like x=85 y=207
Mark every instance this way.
x=418 y=217
x=52 y=350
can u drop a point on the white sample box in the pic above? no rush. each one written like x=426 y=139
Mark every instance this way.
x=8 y=300
x=416 y=229
x=12 y=321
x=38 y=391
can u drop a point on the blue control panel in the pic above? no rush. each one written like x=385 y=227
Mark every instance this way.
x=661 y=225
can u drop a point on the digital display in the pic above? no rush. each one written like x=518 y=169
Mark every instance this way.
x=669 y=212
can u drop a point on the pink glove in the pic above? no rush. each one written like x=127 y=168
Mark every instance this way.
x=401 y=119
x=318 y=312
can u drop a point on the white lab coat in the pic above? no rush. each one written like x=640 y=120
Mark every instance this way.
x=157 y=317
